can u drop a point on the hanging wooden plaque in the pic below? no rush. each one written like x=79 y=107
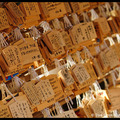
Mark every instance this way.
x=20 y=109
x=30 y=8
x=66 y=77
x=82 y=32
x=4 y=111
x=3 y=19
x=45 y=89
x=79 y=7
x=52 y=10
x=28 y=49
x=31 y=92
x=13 y=59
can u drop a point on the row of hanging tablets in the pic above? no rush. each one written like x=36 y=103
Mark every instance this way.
x=77 y=75
x=22 y=99
x=31 y=13
x=45 y=90
x=54 y=43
